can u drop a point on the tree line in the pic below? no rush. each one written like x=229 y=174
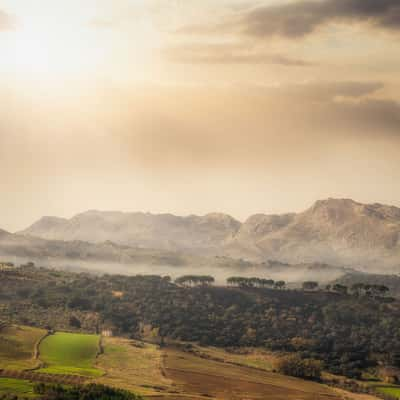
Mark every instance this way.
x=254 y=282
x=358 y=289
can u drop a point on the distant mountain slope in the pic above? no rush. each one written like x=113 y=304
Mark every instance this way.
x=78 y=253
x=165 y=231
x=341 y=232
x=333 y=231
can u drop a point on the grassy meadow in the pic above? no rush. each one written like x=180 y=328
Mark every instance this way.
x=17 y=347
x=70 y=354
x=391 y=390
x=16 y=386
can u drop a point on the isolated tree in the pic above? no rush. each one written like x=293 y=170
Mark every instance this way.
x=267 y=283
x=280 y=284
x=340 y=288
x=74 y=322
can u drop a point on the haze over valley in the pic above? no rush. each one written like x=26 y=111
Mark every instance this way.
x=200 y=200
x=332 y=236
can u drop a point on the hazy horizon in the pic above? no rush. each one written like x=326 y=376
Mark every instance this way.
x=241 y=220
x=240 y=107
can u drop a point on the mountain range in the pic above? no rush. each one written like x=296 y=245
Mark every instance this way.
x=339 y=232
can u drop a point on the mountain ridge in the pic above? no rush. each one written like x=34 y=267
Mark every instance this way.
x=335 y=231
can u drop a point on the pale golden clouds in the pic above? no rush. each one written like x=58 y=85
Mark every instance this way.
x=7 y=22
x=194 y=106
x=228 y=54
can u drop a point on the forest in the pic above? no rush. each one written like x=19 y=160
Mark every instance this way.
x=347 y=329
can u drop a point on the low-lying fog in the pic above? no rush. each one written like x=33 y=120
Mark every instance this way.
x=291 y=274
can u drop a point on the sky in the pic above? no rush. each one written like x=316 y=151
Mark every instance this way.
x=190 y=107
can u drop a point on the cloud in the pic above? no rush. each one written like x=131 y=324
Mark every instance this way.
x=7 y=22
x=99 y=23
x=228 y=54
x=329 y=91
x=301 y=18
x=170 y=128
x=255 y=125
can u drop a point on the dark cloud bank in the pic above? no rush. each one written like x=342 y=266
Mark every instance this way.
x=301 y=18
x=298 y=19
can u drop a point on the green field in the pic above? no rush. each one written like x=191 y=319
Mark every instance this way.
x=391 y=390
x=16 y=387
x=17 y=347
x=71 y=354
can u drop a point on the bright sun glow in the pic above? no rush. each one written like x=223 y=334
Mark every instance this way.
x=56 y=43
x=46 y=50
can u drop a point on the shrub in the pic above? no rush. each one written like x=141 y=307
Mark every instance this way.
x=88 y=392
x=294 y=365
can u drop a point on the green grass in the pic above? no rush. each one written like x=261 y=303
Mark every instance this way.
x=17 y=345
x=390 y=390
x=17 y=387
x=70 y=353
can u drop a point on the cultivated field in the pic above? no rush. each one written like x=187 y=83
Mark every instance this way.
x=250 y=357
x=70 y=354
x=17 y=347
x=132 y=366
x=196 y=378
x=179 y=372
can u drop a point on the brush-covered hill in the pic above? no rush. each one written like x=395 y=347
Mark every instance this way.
x=334 y=231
